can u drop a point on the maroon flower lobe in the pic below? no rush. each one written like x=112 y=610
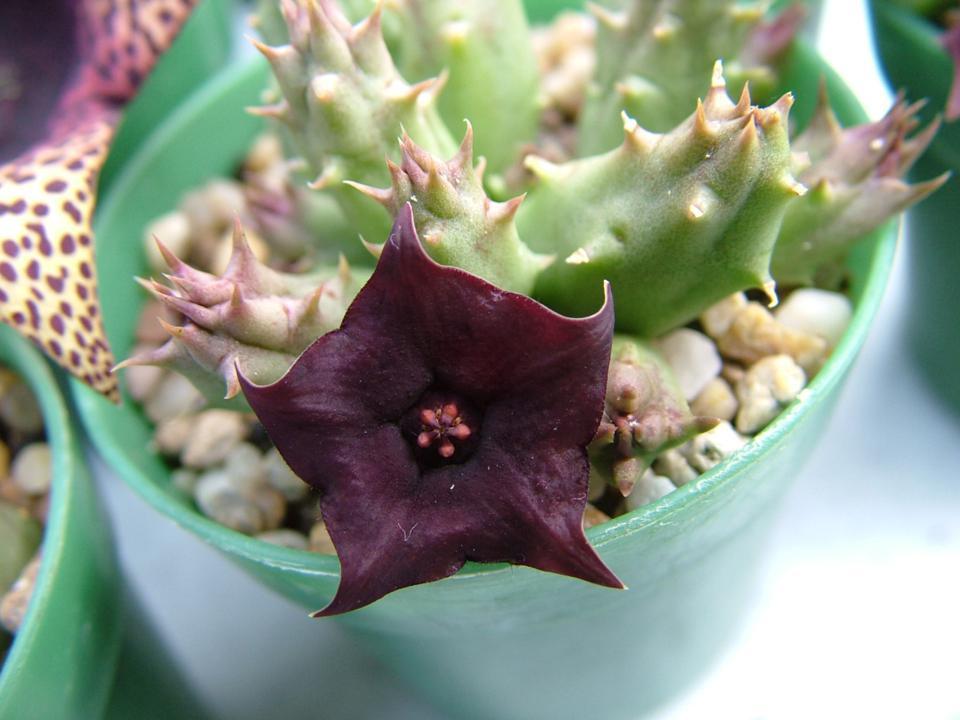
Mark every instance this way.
x=446 y=420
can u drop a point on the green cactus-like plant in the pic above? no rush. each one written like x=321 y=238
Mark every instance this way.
x=662 y=213
x=459 y=224
x=485 y=49
x=253 y=318
x=854 y=177
x=345 y=103
x=653 y=58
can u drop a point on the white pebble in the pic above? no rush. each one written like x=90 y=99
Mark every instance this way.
x=285 y=538
x=765 y=389
x=185 y=480
x=716 y=400
x=649 y=487
x=245 y=467
x=215 y=434
x=173 y=230
x=707 y=449
x=142 y=380
x=815 y=311
x=32 y=468
x=674 y=465
x=171 y=435
x=693 y=357
x=218 y=499
x=280 y=476
x=175 y=395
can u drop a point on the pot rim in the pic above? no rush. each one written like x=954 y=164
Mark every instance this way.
x=867 y=300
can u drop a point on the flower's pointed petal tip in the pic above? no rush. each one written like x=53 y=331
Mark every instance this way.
x=585 y=564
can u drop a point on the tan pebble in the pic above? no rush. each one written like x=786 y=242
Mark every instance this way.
x=769 y=385
x=672 y=464
x=715 y=400
x=732 y=372
x=174 y=396
x=18 y=406
x=755 y=334
x=717 y=318
x=285 y=538
x=173 y=230
x=320 y=541
x=273 y=506
x=649 y=487
x=171 y=435
x=593 y=516
x=215 y=434
x=265 y=153
x=32 y=468
x=14 y=604
x=280 y=476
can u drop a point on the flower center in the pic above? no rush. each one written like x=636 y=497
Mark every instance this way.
x=440 y=426
x=443 y=428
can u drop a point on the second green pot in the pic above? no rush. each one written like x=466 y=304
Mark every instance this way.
x=914 y=60
x=499 y=641
x=62 y=661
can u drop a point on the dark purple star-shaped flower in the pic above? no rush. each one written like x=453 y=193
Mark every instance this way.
x=446 y=420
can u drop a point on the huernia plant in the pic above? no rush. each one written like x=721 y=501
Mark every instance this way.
x=446 y=410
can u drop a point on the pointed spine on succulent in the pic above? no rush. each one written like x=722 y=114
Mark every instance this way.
x=344 y=103
x=651 y=53
x=855 y=176
x=251 y=317
x=644 y=415
x=492 y=77
x=675 y=221
x=459 y=224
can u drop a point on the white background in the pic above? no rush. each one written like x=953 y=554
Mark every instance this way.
x=858 y=617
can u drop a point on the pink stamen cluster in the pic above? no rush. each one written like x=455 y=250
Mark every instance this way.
x=442 y=425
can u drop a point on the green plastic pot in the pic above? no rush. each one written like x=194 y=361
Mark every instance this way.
x=914 y=60
x=62 y=662
x=497 y=641
x=203 y=47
